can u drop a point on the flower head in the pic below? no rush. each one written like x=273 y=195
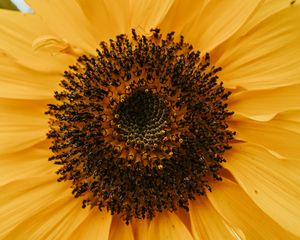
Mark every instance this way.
x=160 y=125
x=140 y=127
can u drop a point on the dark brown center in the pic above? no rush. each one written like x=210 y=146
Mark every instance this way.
x=140 y=127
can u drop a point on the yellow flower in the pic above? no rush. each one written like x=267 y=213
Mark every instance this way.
x=257 y=45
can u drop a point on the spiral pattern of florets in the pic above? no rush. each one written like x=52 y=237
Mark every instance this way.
x=140 y=127
x=141 y=119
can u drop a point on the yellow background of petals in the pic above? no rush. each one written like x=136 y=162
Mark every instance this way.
x=257 y=45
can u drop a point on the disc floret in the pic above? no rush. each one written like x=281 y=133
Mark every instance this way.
x=140 y=127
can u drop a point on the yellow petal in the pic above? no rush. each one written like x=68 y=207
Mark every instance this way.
x=23 y=124
x=148 y=14
x=265 y=10
x=205 y=26
x=25 y=164
x=124 y=15
x=56 y=46
x=107 y=13
x=269 y=101
x=66 y=19
x=99 y=13
x=289 y=120
x=23 y=198
x=140 y=228
x=207 y=222
x=240 y=211
x=265 y=56
x=176 y=22
x=268 y=134
x=17 y=81
x=119 y=230
x=273 y=184
x=55 y=221
x=168 y=226
x=185 y=218
x=16 y=37
x=95 y=226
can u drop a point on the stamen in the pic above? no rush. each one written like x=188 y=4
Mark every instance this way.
x=140 y=127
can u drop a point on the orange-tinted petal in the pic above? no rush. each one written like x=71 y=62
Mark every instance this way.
x=289 y=120
x=148 y=14
x=23 y=198
x=25 y=164
x=23 y=124
x=218 y=21
x=57 y=220
x=124 y=15
x=66 y=19
x=140 y=228
x=207 y=223
x=266 y=102
x=100 y=13
x=17 y=33
x=167 y=226
x=268 y=134
x=206 y=24
x=248 y=220
x=17 y=81
x=274 y=184
x=176 y=21
x=95 y=226
x=119 y=230
x=265 y=56
x=265 y=10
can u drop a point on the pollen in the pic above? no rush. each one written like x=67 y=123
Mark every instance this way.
x=140 y=126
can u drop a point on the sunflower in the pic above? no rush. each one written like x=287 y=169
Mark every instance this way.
x=150 y=120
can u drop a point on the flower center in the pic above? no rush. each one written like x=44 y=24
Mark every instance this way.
x=142 y=120
x=140 y=127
